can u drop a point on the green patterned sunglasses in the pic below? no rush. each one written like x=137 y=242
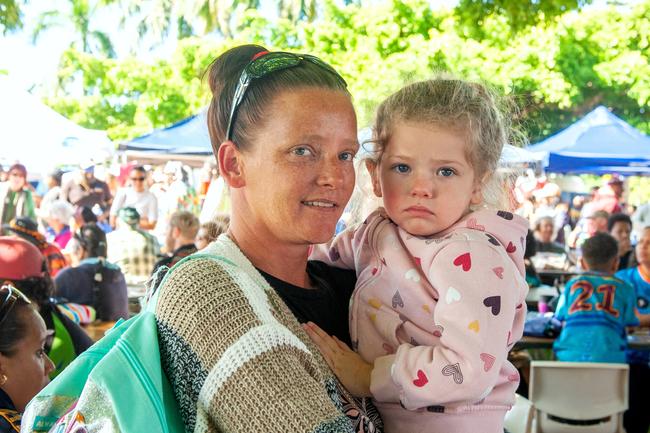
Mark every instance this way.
x=263 y=64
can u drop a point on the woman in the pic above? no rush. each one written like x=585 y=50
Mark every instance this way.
x=94 y=281
x=283 y=129
x=15 y=196
x=24 y=365
x=24 y=267
x=619 y=226
x=58 y=219
x=544 y=236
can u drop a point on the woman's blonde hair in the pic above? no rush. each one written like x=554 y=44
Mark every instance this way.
x=471 y=109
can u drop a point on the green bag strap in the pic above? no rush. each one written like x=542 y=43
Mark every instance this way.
x=62 y=352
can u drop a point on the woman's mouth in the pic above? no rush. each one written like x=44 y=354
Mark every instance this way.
x=320 y=204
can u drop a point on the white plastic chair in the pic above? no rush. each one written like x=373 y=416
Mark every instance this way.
x=572 y=397
x=520 y=417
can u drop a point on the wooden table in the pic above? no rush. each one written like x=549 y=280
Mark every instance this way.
x=97 y=329
x=637 y=341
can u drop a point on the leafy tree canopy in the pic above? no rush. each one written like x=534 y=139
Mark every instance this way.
x=557 y=69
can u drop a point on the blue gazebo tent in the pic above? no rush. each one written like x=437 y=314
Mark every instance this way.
x=598 y=143
x=187 y=137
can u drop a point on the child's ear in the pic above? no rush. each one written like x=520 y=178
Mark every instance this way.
x=373 y=169
x=477 y=192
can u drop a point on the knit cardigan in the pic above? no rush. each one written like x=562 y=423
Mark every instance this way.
x=239 y=361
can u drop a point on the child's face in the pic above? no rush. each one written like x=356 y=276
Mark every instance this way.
x=425 y=179
x=643 y=248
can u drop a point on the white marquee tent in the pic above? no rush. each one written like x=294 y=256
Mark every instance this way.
x=42 y=139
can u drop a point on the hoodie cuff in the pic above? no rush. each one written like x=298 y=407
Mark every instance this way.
x=382 y=386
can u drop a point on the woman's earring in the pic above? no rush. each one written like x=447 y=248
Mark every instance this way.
x=3 y=379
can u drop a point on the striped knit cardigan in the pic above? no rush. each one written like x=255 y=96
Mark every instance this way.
x=237 y=358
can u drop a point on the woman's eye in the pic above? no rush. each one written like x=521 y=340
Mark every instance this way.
x=346 y=156
x=302 y=151
x=446 y=172
x=401 y=168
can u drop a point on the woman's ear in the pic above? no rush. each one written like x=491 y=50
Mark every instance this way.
x=230 y=163
x=373 y=170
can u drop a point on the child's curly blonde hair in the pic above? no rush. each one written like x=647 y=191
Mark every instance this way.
x=472 y=109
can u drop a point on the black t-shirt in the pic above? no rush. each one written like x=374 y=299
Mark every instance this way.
x=327 y=304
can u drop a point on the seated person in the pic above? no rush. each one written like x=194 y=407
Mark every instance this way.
x=532 y=277
x=95 y=282
x=637 y=417
x=24 y=267
x=544 y=236
x=619 y=225
x=596 y=307
x=179 y=242
x=27 y=229
x=24 y=365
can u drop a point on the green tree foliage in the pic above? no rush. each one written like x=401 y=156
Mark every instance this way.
x=10 y=16
x=557 y=70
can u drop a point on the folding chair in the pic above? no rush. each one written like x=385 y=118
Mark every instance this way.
x=572 y=397
x=520 y=417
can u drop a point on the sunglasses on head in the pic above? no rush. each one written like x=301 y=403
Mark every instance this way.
x=10 y=295
x=263 y=64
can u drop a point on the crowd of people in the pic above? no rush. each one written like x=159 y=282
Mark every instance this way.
x=400 y=323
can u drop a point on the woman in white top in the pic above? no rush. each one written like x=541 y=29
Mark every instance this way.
x=139 y=197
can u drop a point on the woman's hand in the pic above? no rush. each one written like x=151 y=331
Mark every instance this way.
x=347 y=365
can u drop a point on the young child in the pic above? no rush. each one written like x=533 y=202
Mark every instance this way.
x=440 y=295
x=596 y=307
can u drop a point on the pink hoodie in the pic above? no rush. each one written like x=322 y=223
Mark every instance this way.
x=437 y=316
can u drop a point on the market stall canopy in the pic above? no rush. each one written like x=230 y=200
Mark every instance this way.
x=598 y=143
x=187 y=137
x=41 y=138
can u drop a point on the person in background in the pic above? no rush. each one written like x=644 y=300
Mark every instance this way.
x=137 y=196
x=4 y=175
x=133 y=250
x=544 y=236
x=211 y=230
x=24 y=365
x=15 y=197
x=27 y=229
x=52 y=190
x=532 y=277
x=95 y=282
x=24 y=267
x=596 y=307
x=637 y=417
x=58 y=218
x=182 y=230
x=640 y=219
x=85 y=189
x=619 y=226
x=588 y=226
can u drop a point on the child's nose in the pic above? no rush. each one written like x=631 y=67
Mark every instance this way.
x=422 y=187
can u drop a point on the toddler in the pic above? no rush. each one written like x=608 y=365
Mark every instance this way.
x=440 y=295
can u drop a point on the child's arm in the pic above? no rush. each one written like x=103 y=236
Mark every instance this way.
x=344 y=250
x=479 y=289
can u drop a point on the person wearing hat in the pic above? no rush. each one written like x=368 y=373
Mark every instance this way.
x=15 y=197
x=132 y=249
x=85 y=189
x=27 y=229
x=95 y=281
x=24 y=267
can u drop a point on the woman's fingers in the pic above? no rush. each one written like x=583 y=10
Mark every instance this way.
x=341 y=344
x=323 y=337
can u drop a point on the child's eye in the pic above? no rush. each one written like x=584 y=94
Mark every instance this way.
x=302 y=151
x=401 y=168
x=446 y=172
x=346 y=156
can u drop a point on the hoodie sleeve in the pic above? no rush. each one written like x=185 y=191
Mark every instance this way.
x=479 y=289
x=350 y=248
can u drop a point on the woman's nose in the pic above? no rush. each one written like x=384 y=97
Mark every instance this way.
x=49 y=365
x=331 y=175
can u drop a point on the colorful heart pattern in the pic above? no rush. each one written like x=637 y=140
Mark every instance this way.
x=511 y=248
x=494 y=303
x=334 y=254
x=505 y=215
x=397 y=300
x=492 y=239
x=452 y=296
x=474 y=326
x=453 y=370
x=421 y=380
x=413 y=275
x=498 y=271
x=472 y=224
x=488 y=361
x=464 y=261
